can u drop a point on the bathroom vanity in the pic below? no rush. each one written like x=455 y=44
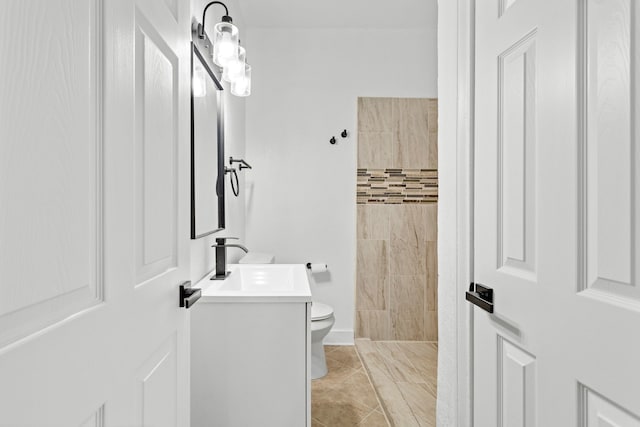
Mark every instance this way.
x=250 y=348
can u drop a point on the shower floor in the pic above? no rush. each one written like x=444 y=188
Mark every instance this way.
x=404 y=375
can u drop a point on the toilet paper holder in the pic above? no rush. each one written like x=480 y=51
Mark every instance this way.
x=321 y=266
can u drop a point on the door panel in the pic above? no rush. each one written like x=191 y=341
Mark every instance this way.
x=556 y=214
x=516 y=386
x=50 y=173
x=158 y=387
x=94 y=221
x=597 y=411
x=156 y=142
x=516 y=168
x=610 y=156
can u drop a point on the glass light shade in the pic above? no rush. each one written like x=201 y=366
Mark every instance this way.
x=225 y=43
x=242 y=85
x=199 y=83
x=235 y=69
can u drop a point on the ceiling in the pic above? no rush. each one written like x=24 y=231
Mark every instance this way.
x=365 y=14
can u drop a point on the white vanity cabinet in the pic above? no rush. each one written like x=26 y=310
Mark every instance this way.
x=251 y=351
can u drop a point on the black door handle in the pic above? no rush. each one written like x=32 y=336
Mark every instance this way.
x=188 y=295
x=481 y=296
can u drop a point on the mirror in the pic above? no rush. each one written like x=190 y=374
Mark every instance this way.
x=207 y=148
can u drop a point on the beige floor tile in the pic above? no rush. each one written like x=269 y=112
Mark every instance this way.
x=397 y=408
x=404 y=374
x=316 y=423
x=421 y=402
x=375 y=419
x=344 y=397
x=396 y=362
x=360 y=389
x=337 y=372
x=329 y=348
x=424 y=358
x=333 y=407
x=346 y=355
x=378 y=369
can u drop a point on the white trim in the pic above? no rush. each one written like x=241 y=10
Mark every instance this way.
x=339 y=337
x=455 y=220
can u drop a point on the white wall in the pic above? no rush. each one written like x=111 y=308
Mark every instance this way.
x=202 y=254
x=301 y=193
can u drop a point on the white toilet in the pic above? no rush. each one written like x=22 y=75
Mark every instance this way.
x=322 y=320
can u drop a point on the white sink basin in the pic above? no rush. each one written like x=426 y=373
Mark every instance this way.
x=259 y=283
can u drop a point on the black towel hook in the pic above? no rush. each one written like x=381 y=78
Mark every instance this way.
x=344 y=133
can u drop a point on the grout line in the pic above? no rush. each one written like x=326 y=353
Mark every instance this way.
x=375 y=390
x=395 y=382
x=315 y=420
x=361 y=422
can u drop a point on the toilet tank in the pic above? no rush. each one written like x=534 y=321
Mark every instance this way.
x=257 y=258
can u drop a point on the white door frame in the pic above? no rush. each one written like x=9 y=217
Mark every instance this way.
x=455 y=216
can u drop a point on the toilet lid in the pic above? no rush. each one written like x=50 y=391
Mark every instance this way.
x=320 y=311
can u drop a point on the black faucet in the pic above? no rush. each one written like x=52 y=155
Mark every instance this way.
x=221 y=256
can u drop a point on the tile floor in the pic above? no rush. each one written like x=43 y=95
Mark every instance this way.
x=404 y=374
x=345 y=396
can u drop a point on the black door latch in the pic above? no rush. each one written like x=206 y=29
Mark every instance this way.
x=481 y=296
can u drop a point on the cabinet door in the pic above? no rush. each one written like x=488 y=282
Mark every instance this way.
x=250 y=356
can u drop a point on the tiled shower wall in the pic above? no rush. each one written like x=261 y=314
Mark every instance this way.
x=397 y=193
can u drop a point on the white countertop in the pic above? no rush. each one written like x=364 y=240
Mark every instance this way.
x=256 y=283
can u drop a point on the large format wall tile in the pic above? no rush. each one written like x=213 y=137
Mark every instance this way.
x=411 y=148
x=374 y=149
x=372 y=281
x=431 y=222
x=432 y=115
x=407 y=307
x=374 y=115
x=373 y=324
x=373 y=222
x=432 y=276
x=431 y=325
x=407 y=228
x=397 y=193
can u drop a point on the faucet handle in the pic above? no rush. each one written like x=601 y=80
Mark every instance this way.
x=223 y=240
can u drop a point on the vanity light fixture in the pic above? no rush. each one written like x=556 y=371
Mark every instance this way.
x=235 y=69
x=199 y=85
x=242 y=85
x=227 y=52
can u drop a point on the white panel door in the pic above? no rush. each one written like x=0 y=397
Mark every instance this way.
x=94 y=220
x=557 y=213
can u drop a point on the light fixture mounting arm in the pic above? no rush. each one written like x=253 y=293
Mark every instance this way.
x=225 y=18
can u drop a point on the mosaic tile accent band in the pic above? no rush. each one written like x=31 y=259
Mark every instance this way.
x=397 y=186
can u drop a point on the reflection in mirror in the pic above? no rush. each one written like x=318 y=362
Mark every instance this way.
x=207 y=149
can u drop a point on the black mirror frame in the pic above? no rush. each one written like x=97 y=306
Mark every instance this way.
x=196 y=51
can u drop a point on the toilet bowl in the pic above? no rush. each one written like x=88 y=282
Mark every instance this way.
x=321 y=322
